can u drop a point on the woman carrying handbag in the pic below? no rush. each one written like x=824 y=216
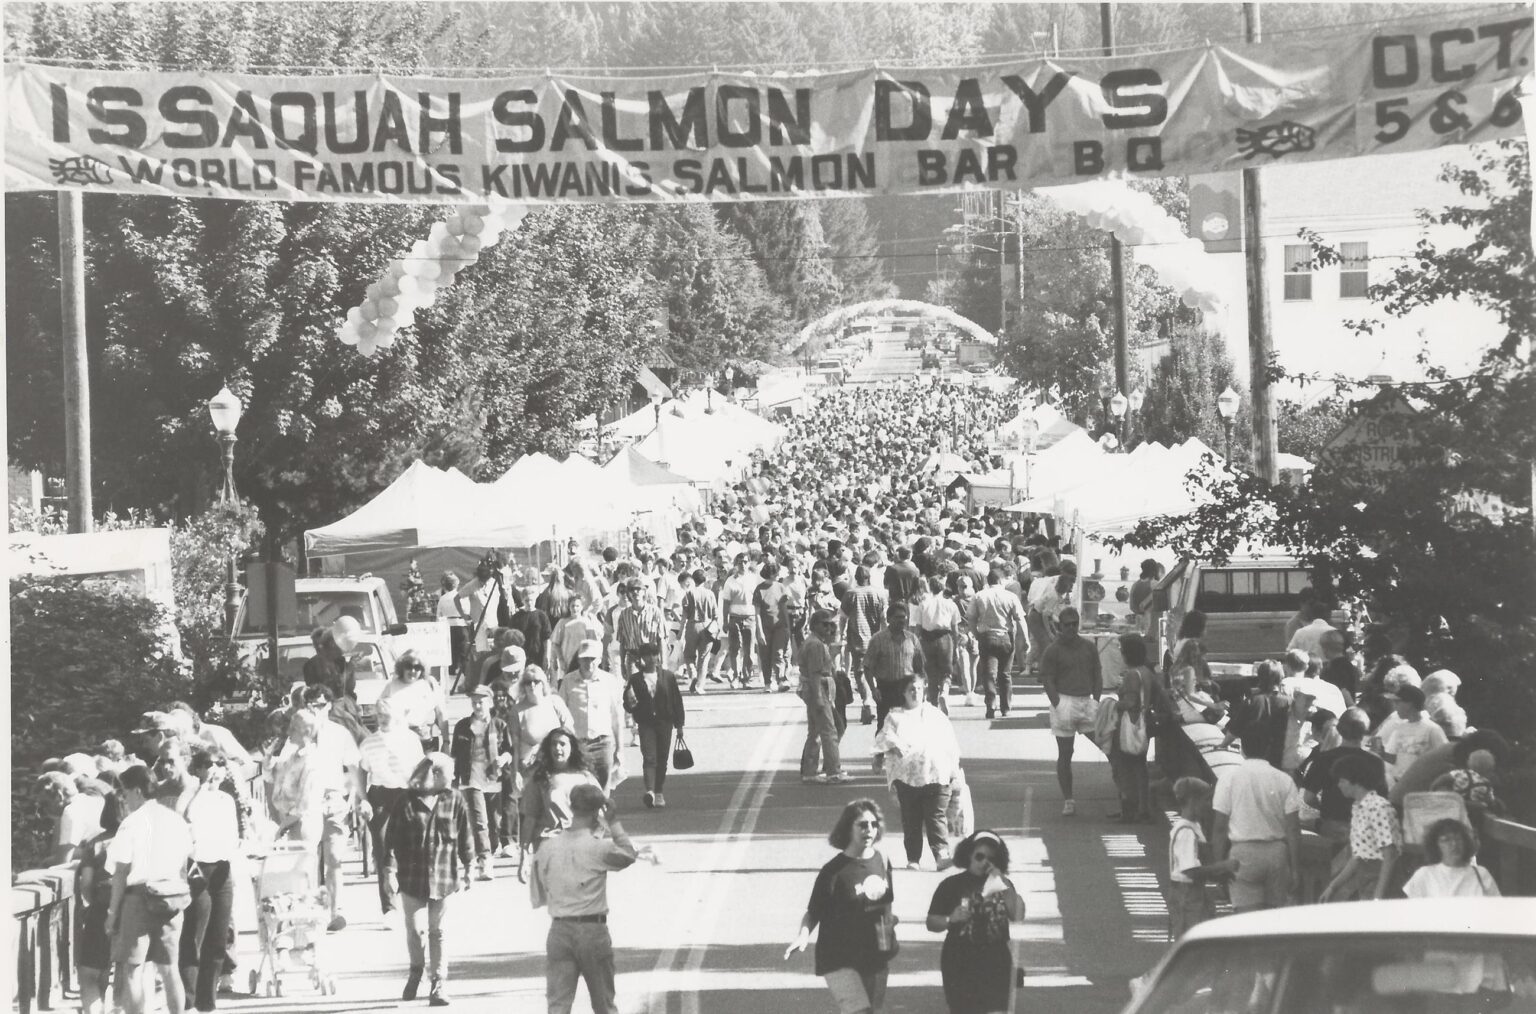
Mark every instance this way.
x=1128 y=745
x=653 y=698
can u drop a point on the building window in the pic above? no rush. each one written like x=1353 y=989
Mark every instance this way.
x=1298 y=272
x=1352 y=270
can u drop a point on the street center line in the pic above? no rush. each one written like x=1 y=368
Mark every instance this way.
x=656 y=1002
x=782 y=736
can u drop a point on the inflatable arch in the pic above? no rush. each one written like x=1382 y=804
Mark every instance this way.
x=830 y=324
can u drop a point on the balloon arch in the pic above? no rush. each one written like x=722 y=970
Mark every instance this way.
x=831 y=324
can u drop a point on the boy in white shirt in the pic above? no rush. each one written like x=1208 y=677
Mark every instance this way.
x=1411 y=736
x=1188 y=902
x=148 y=857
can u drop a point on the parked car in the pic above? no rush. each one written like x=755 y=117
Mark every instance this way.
x=914 y=340
x=1432 y=955
x=831 y=368
x=931 y=358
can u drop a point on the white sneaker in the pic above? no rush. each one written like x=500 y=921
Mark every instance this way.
x=838 y=778
x=970 y=700
x=661 y=801
x=1069 y=809
x=914 y=866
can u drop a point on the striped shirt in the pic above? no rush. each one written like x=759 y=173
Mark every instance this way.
x=390 y=757
x=890 y=661
x=640 y=625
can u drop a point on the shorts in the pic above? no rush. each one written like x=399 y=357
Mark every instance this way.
x=140 y=937
x=1071 y=715
x=1263 y=875
x=854 y=990
x=334 y=834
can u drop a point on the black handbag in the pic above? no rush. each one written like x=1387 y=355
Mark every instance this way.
x=682 y=757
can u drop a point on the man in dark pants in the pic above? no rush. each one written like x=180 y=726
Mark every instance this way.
x=894 y=654
x=388 y=758
x=997 y=618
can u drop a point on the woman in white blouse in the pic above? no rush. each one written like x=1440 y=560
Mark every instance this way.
x=215 y=824
x=921 y=757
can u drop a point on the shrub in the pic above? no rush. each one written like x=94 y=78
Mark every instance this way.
x=86 y=662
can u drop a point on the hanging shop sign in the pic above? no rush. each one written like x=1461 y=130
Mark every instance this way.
x=741 y=136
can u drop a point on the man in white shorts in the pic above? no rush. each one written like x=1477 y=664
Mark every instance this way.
x=1073 y=679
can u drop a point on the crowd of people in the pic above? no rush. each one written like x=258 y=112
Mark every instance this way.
x=839 y=569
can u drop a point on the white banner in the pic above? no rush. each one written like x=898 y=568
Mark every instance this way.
x=1446 y=80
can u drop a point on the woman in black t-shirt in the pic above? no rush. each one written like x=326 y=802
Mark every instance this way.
x=851 y=902
x=973 y=908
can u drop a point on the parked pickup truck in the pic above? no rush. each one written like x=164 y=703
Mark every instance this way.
x=1247 y=603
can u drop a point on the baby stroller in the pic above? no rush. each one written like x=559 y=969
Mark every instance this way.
x=291 y=917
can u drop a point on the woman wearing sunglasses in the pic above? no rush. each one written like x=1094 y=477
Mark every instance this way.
x=973 y=909
x=851 y=902
x=418 y=702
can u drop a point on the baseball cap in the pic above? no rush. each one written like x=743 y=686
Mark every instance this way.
x=480 y=691
x=590 y=648
x=513 y=658
x=1410 y=694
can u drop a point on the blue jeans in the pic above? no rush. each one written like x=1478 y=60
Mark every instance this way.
x=822 y=733
x=576 y=951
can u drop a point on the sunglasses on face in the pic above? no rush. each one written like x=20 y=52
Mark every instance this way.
x=866 y=823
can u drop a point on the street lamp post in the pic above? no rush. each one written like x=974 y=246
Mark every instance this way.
x=1106 y=391
x=1226 y=406
x=1117 y=406
x=224 y=409
x=1138 y=398
x=661 y=457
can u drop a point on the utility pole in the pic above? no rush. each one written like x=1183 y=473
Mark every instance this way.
x=1002 y=263
x=1260 y=339
x=77 y=381
x=1116 y=250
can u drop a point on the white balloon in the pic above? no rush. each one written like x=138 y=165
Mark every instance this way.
x=455 y=225
x=367 y=346
x=471 y=223
x=407 y=286
x=428 y=269
x=398 y=269
x=367 y=331
x=1191 y=298
x=386 y=339
x=355 y=316
x=347 y=335
x=370 y=309
x=470 y=245
x=390 y=286
x=388 y=307
x=436 y=235
x=1210 y=304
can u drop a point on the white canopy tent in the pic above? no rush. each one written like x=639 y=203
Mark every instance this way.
x=425 y=507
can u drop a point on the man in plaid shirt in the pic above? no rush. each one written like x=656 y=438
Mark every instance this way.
x=428 y=848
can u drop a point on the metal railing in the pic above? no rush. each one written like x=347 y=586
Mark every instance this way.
x=43 y=913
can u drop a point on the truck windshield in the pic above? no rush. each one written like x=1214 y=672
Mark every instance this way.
x=322 y=608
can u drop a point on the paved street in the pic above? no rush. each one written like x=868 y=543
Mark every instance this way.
x=889 y=359
x=704 y=932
